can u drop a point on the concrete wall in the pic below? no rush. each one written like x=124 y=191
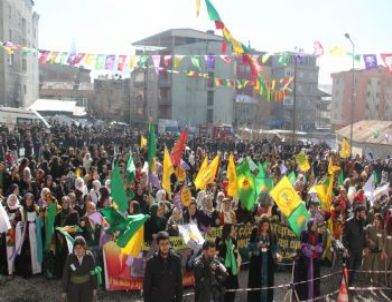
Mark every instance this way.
x=18 y=72
x=189 y=95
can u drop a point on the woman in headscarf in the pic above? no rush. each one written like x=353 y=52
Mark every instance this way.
x=95 y=191
x=174 y=221
x=263 y=246
x=307 y=268
x=228 y=252
x=67 y=216
x=157 y=221
x=79 y=282
x=210 y=216
x=9 y=243
x=134 y=208
x=29 y=259
x=87 y=161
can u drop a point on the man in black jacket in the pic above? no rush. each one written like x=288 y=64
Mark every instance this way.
x=354 y=241
x=209 y=275
x=163 y=276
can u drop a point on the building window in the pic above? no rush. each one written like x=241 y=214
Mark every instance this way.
x=210 y=115
x=211 y=80
x=11 y=59
x=24 y=90
x=210 y=98
x=378 y=95
x=24 y=65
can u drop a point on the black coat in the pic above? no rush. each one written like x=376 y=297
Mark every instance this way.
x=354 y=235
x=163 y=279
x=79 y=292
x=256 y=268
x=208 y=284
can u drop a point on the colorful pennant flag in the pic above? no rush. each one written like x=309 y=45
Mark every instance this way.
x=370 y=61
x=387 y=58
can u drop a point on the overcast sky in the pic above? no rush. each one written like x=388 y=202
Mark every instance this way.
x=110 y=26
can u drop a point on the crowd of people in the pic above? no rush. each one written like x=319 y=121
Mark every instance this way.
x=71 y=166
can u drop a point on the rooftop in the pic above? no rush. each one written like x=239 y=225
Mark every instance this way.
x=164 y=39
x=369 y=132
x=58 y=106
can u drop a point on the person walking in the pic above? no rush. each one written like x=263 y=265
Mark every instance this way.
x=79 y=283
x=163 y=275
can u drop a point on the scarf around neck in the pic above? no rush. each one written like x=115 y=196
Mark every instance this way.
x=230 y=259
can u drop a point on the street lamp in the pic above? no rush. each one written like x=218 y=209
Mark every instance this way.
x=353 y=92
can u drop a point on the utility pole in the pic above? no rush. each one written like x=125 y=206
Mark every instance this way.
x=294 y=118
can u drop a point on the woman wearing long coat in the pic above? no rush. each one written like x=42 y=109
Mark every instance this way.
x=79 y=281
x=262 y=246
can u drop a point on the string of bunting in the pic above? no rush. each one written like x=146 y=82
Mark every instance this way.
x=370 y=60
x=275 y=89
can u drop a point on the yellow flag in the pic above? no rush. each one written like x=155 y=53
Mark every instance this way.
x=135 y=245
x=346 y=149
x=198 y=3
x=181 y=174
x=332 y=169
x=143 y=142
x=232 y=177
x=302 y=161
x=133 y=61
x=206 y=173
x=338 y=51
x=167 y=172
x=88 y=60
x=321 y=191
x=237 y=48
x=177 y=59
x=285 y=196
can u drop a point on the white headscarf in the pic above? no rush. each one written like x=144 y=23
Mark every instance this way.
x=80 y=186
x=161 y=194
x=17 y=204
x=27 y=174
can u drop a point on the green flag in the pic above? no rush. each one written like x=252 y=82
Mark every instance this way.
x=114 y=218
x=196 y=62
x=152 y=146
x=252 y=165
x=246 y=186
x=119 y=195
x=261 y=173
x=49 y=224
x=292 y=177
x=376 y=177
x=341 y=178
x=68 y=239
x=298 y=219
x=212 y=12
x=264 y=184
x=134 y=222
x=266 y=165
x=130 y=171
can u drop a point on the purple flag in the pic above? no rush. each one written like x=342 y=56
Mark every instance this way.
x=109 y=62
x=210 y=62
x=370 y=61
x=184 y=165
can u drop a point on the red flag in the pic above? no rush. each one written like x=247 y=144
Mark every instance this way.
x=78 y=58
x=43 y=56
x=219 y=25
x=179 y=148
x=387 y=58
x=121 y=62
